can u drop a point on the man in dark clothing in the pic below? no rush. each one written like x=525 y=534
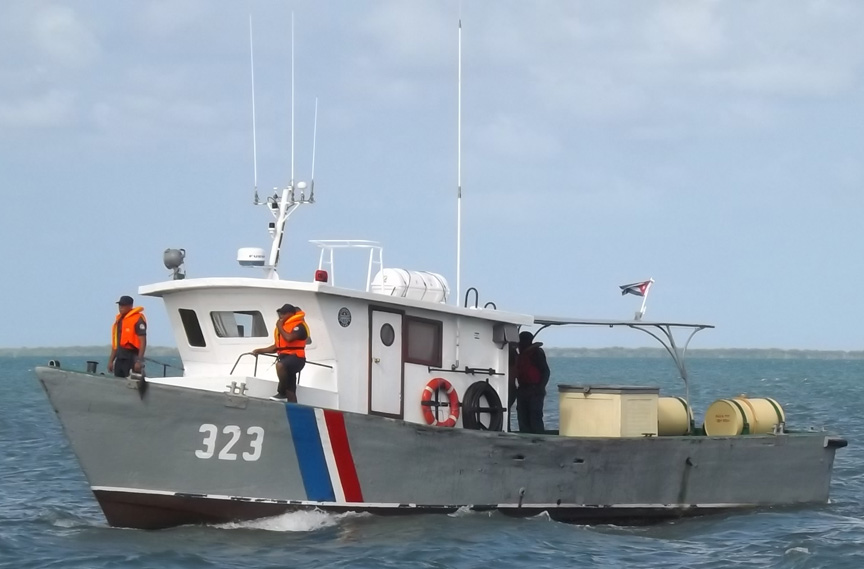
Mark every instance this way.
x=532 y=375
x=511 y=377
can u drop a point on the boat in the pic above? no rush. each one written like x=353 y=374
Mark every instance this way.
x=402 y=409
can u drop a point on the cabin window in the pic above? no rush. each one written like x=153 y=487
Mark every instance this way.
x=194 y=335
x=239 y=324
x=388 y=335
x=423 y=341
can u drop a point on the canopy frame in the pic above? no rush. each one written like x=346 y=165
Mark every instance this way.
x=663 y=332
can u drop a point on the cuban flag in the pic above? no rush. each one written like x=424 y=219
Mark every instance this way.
x=639 y=289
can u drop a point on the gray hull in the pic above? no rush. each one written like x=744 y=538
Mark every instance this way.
x=177 y=456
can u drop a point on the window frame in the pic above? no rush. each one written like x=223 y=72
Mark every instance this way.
x=438 y=339
x=256 y=318
x=185 y=315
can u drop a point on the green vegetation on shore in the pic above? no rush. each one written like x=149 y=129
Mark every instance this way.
x=731 y=353
x=80 y=351
x=615 y=352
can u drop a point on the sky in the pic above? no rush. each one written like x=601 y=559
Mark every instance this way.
x=712 y=146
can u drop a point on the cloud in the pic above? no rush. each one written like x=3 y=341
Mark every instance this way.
x=775 y=49
x=55 y=108
x=403 y=48
x=773 y=77
x=163 y=18
x=841 y=184
x=59 y=34
x=137 y=115
x=649 y=68
x=590 y=93
x=683 y=29
x=517 y=137
x=49 y=48
x=705 y=61
x=409 y=33
x=151 y=105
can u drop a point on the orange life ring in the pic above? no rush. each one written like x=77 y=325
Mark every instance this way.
x=426 y=402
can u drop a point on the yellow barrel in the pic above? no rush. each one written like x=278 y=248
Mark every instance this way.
x=766 y=413
x=673 y=416
x=728 y=417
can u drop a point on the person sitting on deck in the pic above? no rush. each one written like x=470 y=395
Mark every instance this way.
x=289 y=344
x=532 y=375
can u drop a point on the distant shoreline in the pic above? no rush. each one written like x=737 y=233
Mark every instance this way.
x=716 y=353
x=611 y=352
x=81 y=351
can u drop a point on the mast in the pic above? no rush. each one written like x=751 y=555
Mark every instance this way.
x=314 y=141
x=283 y=206
x=459 y=173
x=458 y=299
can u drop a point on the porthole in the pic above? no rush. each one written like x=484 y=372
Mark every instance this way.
x=388 y=335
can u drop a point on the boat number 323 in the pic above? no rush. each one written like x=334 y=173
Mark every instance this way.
x=230 y=442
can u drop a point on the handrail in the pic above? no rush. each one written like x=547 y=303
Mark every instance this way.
x=237 y=361
x=255 y=369
x=467 y=370
x=164 y=366
x=477 y=299
x=476 y=296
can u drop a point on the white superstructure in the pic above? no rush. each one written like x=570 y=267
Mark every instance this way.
x=370 y=352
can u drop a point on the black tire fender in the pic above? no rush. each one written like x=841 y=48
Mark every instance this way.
x=473 y=409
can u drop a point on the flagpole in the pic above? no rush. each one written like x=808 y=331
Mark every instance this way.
x=641 y=312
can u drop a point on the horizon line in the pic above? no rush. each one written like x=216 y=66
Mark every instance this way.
x=107 y=348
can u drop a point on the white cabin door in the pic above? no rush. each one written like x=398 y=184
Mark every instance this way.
x=385 y=366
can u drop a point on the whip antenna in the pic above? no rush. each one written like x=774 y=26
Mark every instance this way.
x=314 y=140
x=254 y=134
x=292 y=101
x=459 y=174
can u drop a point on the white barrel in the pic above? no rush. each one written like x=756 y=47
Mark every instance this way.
x=392 y=282
x=417 y=285
x=436 y=287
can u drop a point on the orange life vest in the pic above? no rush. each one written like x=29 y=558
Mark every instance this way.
x=123 y=333
x=296 y=347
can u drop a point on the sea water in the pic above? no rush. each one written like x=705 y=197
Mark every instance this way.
x=49 y=518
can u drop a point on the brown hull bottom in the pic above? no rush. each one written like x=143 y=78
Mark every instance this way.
x=157 y=511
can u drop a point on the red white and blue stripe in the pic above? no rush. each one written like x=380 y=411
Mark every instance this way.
x=324 y=455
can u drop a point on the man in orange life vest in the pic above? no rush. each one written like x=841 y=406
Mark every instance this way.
x=128 y=339
x=532 y=375
x=289 y=344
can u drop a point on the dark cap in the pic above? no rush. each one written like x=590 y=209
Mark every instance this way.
x=286 y=308
x=525 y=338
x=125 y=301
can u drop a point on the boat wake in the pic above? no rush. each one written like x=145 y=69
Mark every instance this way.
x=464 y=511
x=300 y=521
x=467 y=512
x=67 y=520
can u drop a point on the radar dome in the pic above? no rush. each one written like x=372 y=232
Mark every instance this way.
x=251 y=257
